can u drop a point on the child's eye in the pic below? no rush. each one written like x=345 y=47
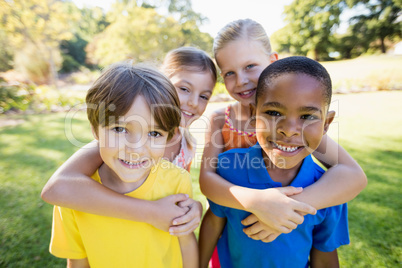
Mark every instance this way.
x=248 y=67
x=228 y=74
x=154 y=134
x=204 y=97
x=184 y=89
x=273 y=113
x=119 y=129
x=309 y=117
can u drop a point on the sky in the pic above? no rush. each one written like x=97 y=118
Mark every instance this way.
x=220 y=12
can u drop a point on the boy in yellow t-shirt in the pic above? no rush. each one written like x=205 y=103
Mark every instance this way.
x=133 y=111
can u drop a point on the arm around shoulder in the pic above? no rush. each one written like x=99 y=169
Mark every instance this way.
x=72 y=176
x=342 y=182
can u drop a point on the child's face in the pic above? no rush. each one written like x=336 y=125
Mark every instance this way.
x=241 y=63
x=133 y=145
x=291 y=119
x=194 y=90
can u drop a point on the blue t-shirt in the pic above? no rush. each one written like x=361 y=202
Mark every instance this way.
x=325 y=231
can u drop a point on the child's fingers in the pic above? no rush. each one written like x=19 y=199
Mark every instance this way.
x=189 y=225
x=290 y=190
x=177 y=198
x=249 y=220
x=263 y=235
x=304 y=208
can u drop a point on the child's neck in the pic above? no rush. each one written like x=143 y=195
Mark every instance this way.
x=110 y=179
x=241 y=112
x=173 y=146
x=282 y=175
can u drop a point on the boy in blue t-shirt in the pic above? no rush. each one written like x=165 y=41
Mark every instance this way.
x=292 y=102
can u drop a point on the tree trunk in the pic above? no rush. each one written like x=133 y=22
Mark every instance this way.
x=383 y=48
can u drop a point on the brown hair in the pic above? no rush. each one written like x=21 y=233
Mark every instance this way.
x=113 y=93
x=188 y=58
x=244 y=28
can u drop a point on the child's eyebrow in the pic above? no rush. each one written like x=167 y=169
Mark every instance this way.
x=273 y=104
x=310 y=109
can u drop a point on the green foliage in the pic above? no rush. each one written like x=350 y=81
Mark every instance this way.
x=17 y=97
x=382 y=21
x=38 y=25
x=28 y=97
x=6 y=52
x=311 y=24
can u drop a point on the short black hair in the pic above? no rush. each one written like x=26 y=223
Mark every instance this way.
x=298 y=65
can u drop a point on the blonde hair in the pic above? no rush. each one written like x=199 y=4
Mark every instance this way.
x=244 y=28
x=113 y=93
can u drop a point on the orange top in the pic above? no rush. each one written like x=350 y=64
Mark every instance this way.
x=234 y=138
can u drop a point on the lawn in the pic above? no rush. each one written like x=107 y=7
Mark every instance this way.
x=369 y=126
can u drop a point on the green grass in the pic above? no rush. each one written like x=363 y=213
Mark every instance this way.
x=369 y=126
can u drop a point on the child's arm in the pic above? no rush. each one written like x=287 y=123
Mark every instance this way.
x=71 y=187
x=189 y=250
x=340 y=183
x=210 y=231
x=78 y=263
x=271 y=206
x=320 y=259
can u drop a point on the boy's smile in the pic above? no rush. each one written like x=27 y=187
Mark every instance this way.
x=130 y=147
x=291 y=119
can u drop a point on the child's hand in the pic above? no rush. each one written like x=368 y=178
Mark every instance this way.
x=167 y=209
x=275 y=209
x=259 y=230
x=187 y=223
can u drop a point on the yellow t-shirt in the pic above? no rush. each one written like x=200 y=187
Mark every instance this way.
x=111 y=242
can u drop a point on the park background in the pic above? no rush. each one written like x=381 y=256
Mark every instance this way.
x=51 y=52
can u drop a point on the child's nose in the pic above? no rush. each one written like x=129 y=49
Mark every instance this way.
x=288 y=127
x=241 y=79
x=193 y=101
x=135 y=142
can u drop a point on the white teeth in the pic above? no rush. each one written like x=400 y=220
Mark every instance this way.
x=285 y=148
x=187 y=113
x=130 y=163
x=246 y=92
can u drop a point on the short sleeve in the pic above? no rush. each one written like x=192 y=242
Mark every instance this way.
x=333 y=231
x=217 y=209
x=66 y=240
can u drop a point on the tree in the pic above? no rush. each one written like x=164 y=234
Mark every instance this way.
x=382 y=21
x=36 y=27
x=311 y=26
x=142 y=34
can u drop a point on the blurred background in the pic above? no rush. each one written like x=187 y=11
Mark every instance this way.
x=51 y=51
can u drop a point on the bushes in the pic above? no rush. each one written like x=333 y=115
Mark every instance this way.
x=23 y=97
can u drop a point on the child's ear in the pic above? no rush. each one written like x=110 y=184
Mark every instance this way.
x=94 y=133
x=273 y=57
x=328 y=120
x=253 y=112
